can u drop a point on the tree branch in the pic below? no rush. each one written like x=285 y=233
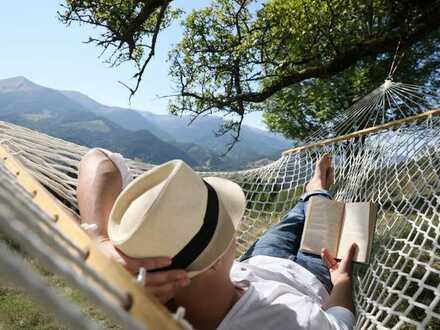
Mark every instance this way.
x=347 y=58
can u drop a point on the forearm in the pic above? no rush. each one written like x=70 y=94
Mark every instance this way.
x=99 y=184
x=342 y=295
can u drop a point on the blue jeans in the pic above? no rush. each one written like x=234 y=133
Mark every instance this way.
x=283 y=239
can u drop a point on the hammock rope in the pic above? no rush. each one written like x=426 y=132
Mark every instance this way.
x=385 y=148
x=48 y=231
x=34 y=231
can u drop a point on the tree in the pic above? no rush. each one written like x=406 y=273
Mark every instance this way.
x=297 y=110
x=299 y=61
x=129 y=28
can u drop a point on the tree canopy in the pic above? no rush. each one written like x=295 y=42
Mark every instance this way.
x=298 y=61
x=129 y=29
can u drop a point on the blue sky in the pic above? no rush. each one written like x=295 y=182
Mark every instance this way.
x=36 y=45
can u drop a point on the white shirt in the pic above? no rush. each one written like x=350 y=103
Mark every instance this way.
x=281 y=295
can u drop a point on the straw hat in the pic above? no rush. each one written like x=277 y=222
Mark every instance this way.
x=171 y=211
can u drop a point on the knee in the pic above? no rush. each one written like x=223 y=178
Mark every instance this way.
x=96 y=162
x=98 y=175
x=297 y=213
x=92 y=156
x=294 y=216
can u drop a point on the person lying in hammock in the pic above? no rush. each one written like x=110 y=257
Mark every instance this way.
x=171 y=211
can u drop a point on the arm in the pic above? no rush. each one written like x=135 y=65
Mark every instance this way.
x=341 y=296
x=99 y=184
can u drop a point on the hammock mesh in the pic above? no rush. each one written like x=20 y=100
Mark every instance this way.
x=395 y=165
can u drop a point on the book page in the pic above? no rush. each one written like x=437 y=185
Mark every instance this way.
x=356 y=228
x=323 y=225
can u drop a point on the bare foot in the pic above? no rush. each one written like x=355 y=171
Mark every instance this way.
x=323 y=176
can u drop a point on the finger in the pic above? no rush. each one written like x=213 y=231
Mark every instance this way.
x=168 y=290
x=350 y=253
x=151 y=262
x=164 y=293
x=133 y=264
x=348 y=258
x=162 y=278
x=331 y=260
x=155 y=262
x=165 y=296
x=324 y=258
x=328 y=259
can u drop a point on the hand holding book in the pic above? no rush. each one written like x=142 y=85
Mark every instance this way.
x=339 y=271
x=340 y=274
x=336 y=225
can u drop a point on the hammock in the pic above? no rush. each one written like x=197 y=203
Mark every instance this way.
x=386 y=148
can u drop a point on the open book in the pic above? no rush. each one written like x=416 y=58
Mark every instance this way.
x=335 y=225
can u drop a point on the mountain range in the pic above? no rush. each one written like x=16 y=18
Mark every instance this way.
x=136 y=134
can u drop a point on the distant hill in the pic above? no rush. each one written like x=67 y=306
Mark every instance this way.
x=199 y=139
x=27 y=104
x=254 y=144
x=153 y=138
x=127 y=118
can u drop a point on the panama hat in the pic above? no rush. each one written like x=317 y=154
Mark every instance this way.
x=171 y=211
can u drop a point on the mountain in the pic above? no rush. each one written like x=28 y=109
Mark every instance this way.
x=199 y=139
x=205 y=128
x=153 y=138
x=17 y=84
x=126 y=118
x=254 y=144
x=50 y=111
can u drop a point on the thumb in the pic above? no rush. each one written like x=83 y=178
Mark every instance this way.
x=348 y=258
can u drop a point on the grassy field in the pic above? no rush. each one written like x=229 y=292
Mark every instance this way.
x=19 y=312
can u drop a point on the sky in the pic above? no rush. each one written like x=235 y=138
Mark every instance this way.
x=36 y=45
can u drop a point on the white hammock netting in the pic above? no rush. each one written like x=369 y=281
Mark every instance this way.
x=395 y=164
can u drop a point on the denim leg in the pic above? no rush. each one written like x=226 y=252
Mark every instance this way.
x=316 y=266
x=282 y=240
